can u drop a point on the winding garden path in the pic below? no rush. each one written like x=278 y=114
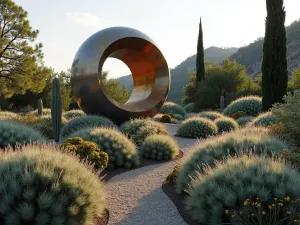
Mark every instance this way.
x=136 y=196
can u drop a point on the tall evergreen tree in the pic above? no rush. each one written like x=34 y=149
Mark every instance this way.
x=200 y=71
x=274 y=65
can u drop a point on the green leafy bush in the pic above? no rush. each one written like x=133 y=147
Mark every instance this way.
x=139 y=129
x=238 y=115
x=171 y=178
x=6 y=115
x=87 y=149
x=43 y=185
x=197 y=127
x=240 y=141
x=212 y=115
x=264 y=119
x=72 y=114
x=12 y=133
x=230 y=184
x=225 y=124
x=243 y=121
x=85 y=122
x=166 y=118
x=172 y=108
x=251 y=105
x=159 y=147
x=190 y=107
x=121 y=151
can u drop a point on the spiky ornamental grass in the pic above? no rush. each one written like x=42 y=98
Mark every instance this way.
x=231 y=182
x=212 y=115
x=172 y=108
x=121 y=151
x=197 y=127
x=6 y=115
x=42 y=185
x=241 y=141
x=12 y=133
x=72 y=114
x=190 y=107
x=250 y=104
x=139 y=129
x=159 y=147
x=226 y=124
x=264 y=119
x=243 y=121
x=85 y=122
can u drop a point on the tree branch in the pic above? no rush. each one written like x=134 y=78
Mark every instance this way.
x=9 y=43
x=6 y=77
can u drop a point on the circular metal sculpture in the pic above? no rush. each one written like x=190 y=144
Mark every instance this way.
x=150 y=72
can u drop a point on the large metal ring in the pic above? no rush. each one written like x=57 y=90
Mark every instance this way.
x=149 y=68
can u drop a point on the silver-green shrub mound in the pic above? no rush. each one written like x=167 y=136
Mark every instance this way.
x=178 y=116
x=12 y=133
x=172 y=108
x=251 y=105
x=84 y=122
x=121 y=151
x=231 y=183
x=189 y=115
x=197 y=127
x=243 y=121
x=225 y=124
x=212 y=115
x=6 y=115
x=72 y=114
x=264 y=119
x=139 y=129
x=159 y=147
x=46 y=112
x=190 y=107
x=42 y=185
x=236 y=142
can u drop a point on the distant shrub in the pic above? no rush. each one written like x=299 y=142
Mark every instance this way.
x=238 y=115
x=171 y=178
x=228 y=144
x=197 y=128
x=231 y=185
x=159 y=147
x=264 y=119
x=225 y=124
x=166 y=118
x=190 y=107
x=251 y=105
x=172 y=108
x=212 y=115
x=42 y=185
x=121 y=151
x=72 y=114
x=242 y=121
x=84 y=122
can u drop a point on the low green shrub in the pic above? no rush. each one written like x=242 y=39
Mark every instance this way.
x=212 y=115
x=226 y=124
x=12 y=133
x=139 y=129
x=87 y=149
x=159 y=147
x=251 y=105
x=229 y=144
x=243 y=121
x=72 y=114
x=171 y=178
x=85 y=122
x=232 y=184
x=292 y=158
x=121 y=151
x=166 y=118
x=172 y=108
x=264 y=119
x=190 y=107
x=238 y=115
x=43 y=185
x=178 y=117
x=197 y=127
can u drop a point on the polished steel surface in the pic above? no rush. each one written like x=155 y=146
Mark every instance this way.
x=149 y=68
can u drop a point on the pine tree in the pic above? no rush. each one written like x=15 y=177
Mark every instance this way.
x=274 y=65
x=200 y=71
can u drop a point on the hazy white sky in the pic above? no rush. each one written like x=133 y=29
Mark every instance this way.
x=173 y=24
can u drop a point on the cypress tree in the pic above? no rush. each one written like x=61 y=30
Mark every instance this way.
x=200 y=71
x=274 y=64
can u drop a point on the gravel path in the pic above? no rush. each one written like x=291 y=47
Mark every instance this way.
x=136 y=198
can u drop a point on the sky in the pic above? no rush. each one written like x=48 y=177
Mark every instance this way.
x=173 y=24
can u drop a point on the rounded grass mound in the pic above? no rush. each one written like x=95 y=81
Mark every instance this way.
x=85 y=122
x=172 y=108
x=159 y=147
x=212 y=115
x=6 y=115
x=251 y=105
x=72 y=114
x=121 y=151
x=139 y=129
x=228 y=187
x=196 y=127
x=226 y=124
x=12 y=133
x=190 y=107
x=46 y=112
x=42 y=185
x=229 y=144
x=243 y=121
x=264 y=119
